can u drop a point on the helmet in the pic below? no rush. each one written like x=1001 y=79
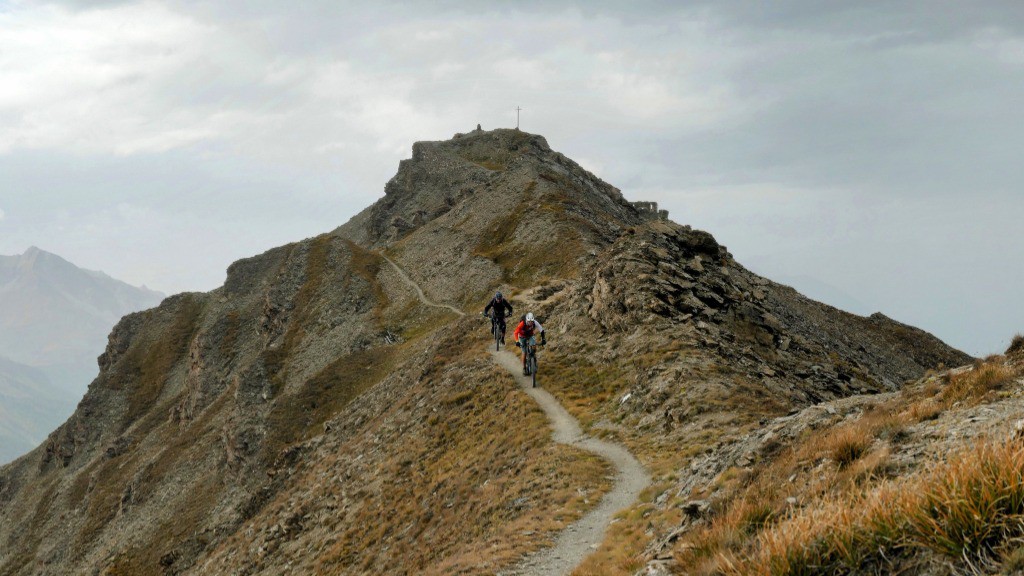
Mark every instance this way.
x=529 y=316
x=497 y=295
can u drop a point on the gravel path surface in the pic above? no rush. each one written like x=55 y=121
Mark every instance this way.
x=584 y=536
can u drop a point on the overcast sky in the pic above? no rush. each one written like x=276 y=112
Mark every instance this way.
x=868 y=153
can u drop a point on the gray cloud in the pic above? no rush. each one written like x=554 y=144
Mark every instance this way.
x=868 y=146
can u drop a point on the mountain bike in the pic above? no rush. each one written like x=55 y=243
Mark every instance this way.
x=531 y=362
x=496 y=331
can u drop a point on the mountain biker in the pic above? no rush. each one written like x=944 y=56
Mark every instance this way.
x=502 y=309
x=525 y=333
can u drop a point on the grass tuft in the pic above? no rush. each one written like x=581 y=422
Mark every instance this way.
x=1016 y=345
x=972 y=385
x=848 y=445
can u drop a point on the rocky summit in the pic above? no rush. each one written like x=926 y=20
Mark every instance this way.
x=333 y=407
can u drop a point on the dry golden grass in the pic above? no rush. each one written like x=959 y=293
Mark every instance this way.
x=972 y=386
x=967 y=511
x=1016 y=345
x=922 y=410
x=845 y=445
x=469 y=484
x=582 y=385
x=822 y=463
x=476 y=487
x=589 y=389
x=853 y=517
x=622 y=551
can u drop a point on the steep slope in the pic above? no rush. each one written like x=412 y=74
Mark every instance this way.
x=664 y=341
x=675 y=349
x=313 y=416
x=285 y=412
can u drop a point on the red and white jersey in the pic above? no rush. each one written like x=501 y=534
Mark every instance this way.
x=525 y=331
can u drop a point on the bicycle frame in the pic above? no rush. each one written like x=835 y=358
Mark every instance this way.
x=495 y=326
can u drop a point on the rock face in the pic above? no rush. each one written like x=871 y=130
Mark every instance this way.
x=665 y=272
x=311 y=416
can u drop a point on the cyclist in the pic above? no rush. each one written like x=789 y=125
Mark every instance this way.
x=502 y=309
x=525 y=333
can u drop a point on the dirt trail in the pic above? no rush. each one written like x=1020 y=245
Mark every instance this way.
x=419 y=291
x=585 y=535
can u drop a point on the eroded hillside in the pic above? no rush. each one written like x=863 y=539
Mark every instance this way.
x=313 y=415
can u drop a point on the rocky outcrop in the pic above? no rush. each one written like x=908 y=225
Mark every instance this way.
x=649 y=210
x=666 y=272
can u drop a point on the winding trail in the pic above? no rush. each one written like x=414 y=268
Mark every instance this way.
x=419 y=291
x=585 y=535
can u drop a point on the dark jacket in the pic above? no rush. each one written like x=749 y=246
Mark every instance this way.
x=499 y=307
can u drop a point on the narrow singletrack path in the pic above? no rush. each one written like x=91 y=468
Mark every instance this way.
x=585 y=535
x=419 y=291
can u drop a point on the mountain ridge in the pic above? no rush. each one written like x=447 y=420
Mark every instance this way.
x=324 y=420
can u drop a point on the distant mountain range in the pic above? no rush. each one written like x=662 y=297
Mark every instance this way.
x=54 y=321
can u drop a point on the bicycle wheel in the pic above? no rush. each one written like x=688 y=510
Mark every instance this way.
x=496 y=330
x=533 y=367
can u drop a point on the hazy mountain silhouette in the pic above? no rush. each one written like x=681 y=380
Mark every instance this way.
x=54 y=321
